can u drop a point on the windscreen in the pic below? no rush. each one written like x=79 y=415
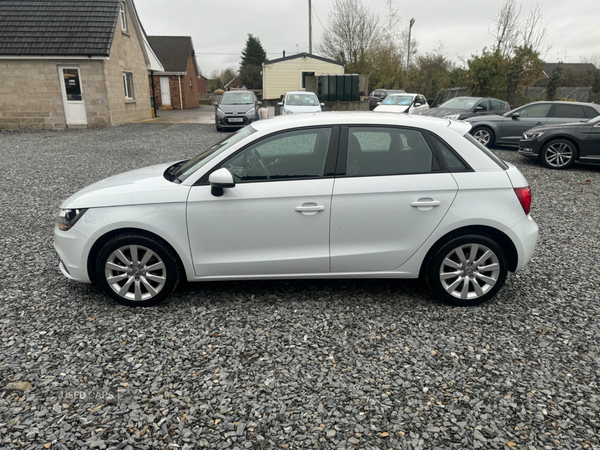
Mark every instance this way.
x=195 y=163
x=460 y=103
x=237 y=98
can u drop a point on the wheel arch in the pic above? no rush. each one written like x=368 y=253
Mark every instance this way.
x=102 y=240
x=507 y=245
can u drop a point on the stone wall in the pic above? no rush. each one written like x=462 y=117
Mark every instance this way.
x=127 y=55
x=31 y=98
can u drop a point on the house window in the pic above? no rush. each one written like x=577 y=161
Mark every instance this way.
x=123 y=17
x=303 y=76
x=128 y=85
x=191 y=85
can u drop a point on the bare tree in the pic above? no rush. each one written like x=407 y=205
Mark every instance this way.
x=534 y=31
x=353 y=30
x=505 y=27
x=509 y=32
x=594 y=59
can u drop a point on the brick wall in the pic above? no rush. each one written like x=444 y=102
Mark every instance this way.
x=189 y=85
x=189 y=95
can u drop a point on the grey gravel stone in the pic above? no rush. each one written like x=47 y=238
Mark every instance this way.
x=325 y=364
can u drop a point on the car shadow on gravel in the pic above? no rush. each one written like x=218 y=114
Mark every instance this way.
x=378 y=292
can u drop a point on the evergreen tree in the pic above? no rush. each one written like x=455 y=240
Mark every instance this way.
x=252 y=58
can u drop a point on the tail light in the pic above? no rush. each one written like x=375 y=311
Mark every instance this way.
x=524 y=195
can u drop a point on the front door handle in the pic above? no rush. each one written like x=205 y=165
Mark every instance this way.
x=309 y=209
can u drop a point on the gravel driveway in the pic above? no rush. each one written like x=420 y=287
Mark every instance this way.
x=289 y=364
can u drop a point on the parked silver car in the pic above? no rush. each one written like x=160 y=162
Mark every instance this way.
x=236 y=109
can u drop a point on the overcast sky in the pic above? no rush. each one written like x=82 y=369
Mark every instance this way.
x=219 y=29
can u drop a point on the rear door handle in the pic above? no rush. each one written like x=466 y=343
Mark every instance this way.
x=309 y=209
x=425 y=204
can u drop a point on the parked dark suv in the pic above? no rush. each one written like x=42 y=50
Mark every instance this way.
x=236 y=109
x=379 y=94
x=508 y=128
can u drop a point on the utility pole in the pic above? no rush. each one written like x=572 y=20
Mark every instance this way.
x=309 y=27
x=412 y=22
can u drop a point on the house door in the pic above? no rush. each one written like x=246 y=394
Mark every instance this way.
x=165 y=91
x=72 y=93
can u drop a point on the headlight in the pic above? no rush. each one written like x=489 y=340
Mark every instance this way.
x=220 y=112
x=452 y=116
x=534 y=135
x=251 y=111
x=66 y=218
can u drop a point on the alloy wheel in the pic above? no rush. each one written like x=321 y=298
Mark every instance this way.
x=469 y=271
x=135 y=272
x=559 y=154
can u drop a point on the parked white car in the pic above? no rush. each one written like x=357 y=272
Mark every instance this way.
x=300 y=102
x=399 y=103
x=354 y=195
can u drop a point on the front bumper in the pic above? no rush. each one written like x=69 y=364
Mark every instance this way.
x=70 y=246
x=234 y=121
x=528 y=148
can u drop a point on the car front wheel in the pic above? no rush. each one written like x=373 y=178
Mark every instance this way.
x=137 y=270
x=467 y=270
x=558 y=154
x=484 y=135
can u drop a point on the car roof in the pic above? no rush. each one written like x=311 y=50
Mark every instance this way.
x=563 y=102
x=358 y=118
x=300 y=92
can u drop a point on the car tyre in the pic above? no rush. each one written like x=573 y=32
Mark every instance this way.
x=137 y=269
x=558 y=154
x=467 y=270
x=484 y=135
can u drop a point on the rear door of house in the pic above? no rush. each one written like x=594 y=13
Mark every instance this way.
x=72 y=94
x=165 y=91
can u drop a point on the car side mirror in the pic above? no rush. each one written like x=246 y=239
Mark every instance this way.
x=280 y=104
x=515 y=115
x=378 y=103
x=219 y=180
x=259 y=103
x=216 y=103
x=322 y=104
x=417 y=104
x=479 y=109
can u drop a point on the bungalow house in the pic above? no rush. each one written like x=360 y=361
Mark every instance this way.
x=73 y=63
x=235 y=84
x=176 y=87
x=289 y=73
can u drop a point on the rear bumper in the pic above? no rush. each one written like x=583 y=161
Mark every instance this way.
x=525 y=235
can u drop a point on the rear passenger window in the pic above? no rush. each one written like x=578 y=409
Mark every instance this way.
x=569 y=112
x=590 y=112
x=374 y=151
x=453 y=162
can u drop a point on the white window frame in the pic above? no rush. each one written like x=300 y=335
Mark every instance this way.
x=128 y=95
x=123 y=15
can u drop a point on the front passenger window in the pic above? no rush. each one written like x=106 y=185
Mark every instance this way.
x=294 y=154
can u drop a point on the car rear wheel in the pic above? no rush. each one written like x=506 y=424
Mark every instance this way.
x=137 y=270
x=558 y=154
x=484 y=135
x=467 y=270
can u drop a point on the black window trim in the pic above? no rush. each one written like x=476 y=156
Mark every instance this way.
x=330 y=160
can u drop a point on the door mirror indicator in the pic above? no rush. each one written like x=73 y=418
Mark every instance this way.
x=219 y=180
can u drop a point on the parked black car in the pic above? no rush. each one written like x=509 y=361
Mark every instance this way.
x=379 y=94
x=509 y=128
x=559 y=146
x=459 y=108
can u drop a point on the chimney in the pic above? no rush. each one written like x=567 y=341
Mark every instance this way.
x=284 y=53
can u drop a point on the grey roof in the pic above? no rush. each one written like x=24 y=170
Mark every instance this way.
x=549 y=67
x=173 y=51
x=304 y=55
x=57 y=27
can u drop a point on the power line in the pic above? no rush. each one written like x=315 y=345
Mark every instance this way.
x=313 y=8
